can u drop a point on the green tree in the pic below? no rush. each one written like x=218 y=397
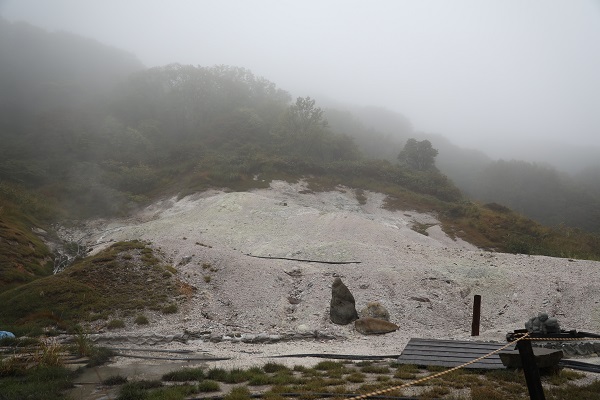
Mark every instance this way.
x=303 y=118
x=302 y=128
x=417 y=155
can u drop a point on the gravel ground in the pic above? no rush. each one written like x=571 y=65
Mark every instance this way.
x=427 y=283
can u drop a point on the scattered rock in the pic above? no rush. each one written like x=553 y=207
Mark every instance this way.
x=342 y=308
x=375 y=309
x=421 y=299
x=294 y=272
x=185 y=260
x=39 y=231
x=374 y=326
x=542 y=324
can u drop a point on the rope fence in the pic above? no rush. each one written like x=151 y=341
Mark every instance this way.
x=520 y=336
x=437 y=375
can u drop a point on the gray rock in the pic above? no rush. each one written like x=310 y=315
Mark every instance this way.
x=375 y=309
x=214 y=338
x=585 y=349
x=342 y=307
x=274 y=338
x=542 y=324
x=569 y=350
x=185 y=260
x=248 y=338
x=262 y=338
x=421 y=299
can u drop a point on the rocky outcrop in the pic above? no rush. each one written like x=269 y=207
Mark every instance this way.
x=374 y=326
x=375 y=309
x=342 y=308
x=542 y=324
x=574 y=348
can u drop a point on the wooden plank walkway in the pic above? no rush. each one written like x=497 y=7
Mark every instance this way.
x=451 y=353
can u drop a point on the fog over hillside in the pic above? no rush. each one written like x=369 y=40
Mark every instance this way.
x=105 y=132
x=516 y=79
x=191 y=181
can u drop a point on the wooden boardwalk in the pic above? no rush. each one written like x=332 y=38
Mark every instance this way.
x=451 y=353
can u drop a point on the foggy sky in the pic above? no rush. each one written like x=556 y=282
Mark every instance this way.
x=486 y=74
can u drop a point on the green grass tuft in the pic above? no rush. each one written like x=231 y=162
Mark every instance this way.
x=238 y=393
x=274 y=367
x=170 y=309
x=209 y=386
x=141 y=320
x=115 y=324
x=184 y=375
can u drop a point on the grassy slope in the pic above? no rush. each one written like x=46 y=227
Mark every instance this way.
x=488 y=226
x=23 y=256
x=121 y=280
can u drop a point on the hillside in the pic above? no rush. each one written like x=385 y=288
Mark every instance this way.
x=213 y=242
x=419 y=277
x=181 y=130
x=42 y=71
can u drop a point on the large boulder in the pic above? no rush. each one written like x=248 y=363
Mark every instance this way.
x=375 y=309
x=342 y=309
x=542 y=324
x=374 y=326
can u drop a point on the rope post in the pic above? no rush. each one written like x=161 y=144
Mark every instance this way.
x=530 y=369
x=476 y=315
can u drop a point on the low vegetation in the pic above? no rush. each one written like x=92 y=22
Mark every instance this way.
x=23 y=256
x=117 y=283
x=141 y=320
x=334 y=379
x=36 y=368
x=496 y=228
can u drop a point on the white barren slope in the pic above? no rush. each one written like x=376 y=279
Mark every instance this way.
x=426 y=282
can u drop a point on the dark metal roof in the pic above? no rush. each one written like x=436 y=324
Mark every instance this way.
x=451 y=353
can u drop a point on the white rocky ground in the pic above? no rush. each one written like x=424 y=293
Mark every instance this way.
x=426 y=282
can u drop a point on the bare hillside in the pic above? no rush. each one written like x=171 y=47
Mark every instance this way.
x=427 y=282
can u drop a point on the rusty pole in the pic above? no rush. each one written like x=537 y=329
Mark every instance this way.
x=476 y=315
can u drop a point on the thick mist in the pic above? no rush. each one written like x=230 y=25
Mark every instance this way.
x=505 y=77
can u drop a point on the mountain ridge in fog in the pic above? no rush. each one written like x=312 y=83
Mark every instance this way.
x=41 y=69
x=77 y=71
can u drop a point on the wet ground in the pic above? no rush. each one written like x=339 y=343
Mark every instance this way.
x=88 y=384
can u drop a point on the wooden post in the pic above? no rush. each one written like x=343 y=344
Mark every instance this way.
x=476 y=315
x=531 y=371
